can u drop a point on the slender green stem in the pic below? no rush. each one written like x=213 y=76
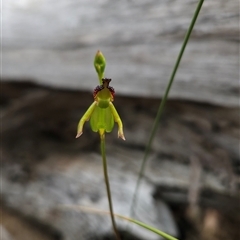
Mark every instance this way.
x=100 y=77
x=105 y=170
x=162 y=104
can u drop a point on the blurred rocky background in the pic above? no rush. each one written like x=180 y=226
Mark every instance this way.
x=191 y=184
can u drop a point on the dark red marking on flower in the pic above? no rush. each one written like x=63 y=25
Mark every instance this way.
x=112 y=91
x=105 y=84
x=96 y=90
x=106 y=81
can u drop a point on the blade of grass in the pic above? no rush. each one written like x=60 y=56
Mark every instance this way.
x=162 y=104
x=152 y=229
x=105 y=170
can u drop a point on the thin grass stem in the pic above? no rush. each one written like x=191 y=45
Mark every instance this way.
x=144 y=225
x=150 y=228
x=105 y=171
x=162 y=104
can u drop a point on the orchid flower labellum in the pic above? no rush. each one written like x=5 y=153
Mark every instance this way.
x=102 y=113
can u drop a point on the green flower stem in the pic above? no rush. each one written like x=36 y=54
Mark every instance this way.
x=162 y=104
x=105 y=170
x=100 y=77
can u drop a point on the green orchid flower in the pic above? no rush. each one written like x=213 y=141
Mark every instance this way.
x=102 y=113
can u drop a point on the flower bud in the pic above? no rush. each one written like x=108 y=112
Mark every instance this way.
x=99 y=64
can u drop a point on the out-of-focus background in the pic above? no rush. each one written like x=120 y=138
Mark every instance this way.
x=190 y=188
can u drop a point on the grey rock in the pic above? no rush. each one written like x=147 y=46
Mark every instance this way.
x=78 y=181
x=5 y=235
x=53 y=43
x=45 y=167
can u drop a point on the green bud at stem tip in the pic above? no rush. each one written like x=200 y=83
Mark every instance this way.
x=99 y=64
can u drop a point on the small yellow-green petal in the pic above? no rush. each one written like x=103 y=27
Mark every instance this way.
x=85 y=118
x=118 y=120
